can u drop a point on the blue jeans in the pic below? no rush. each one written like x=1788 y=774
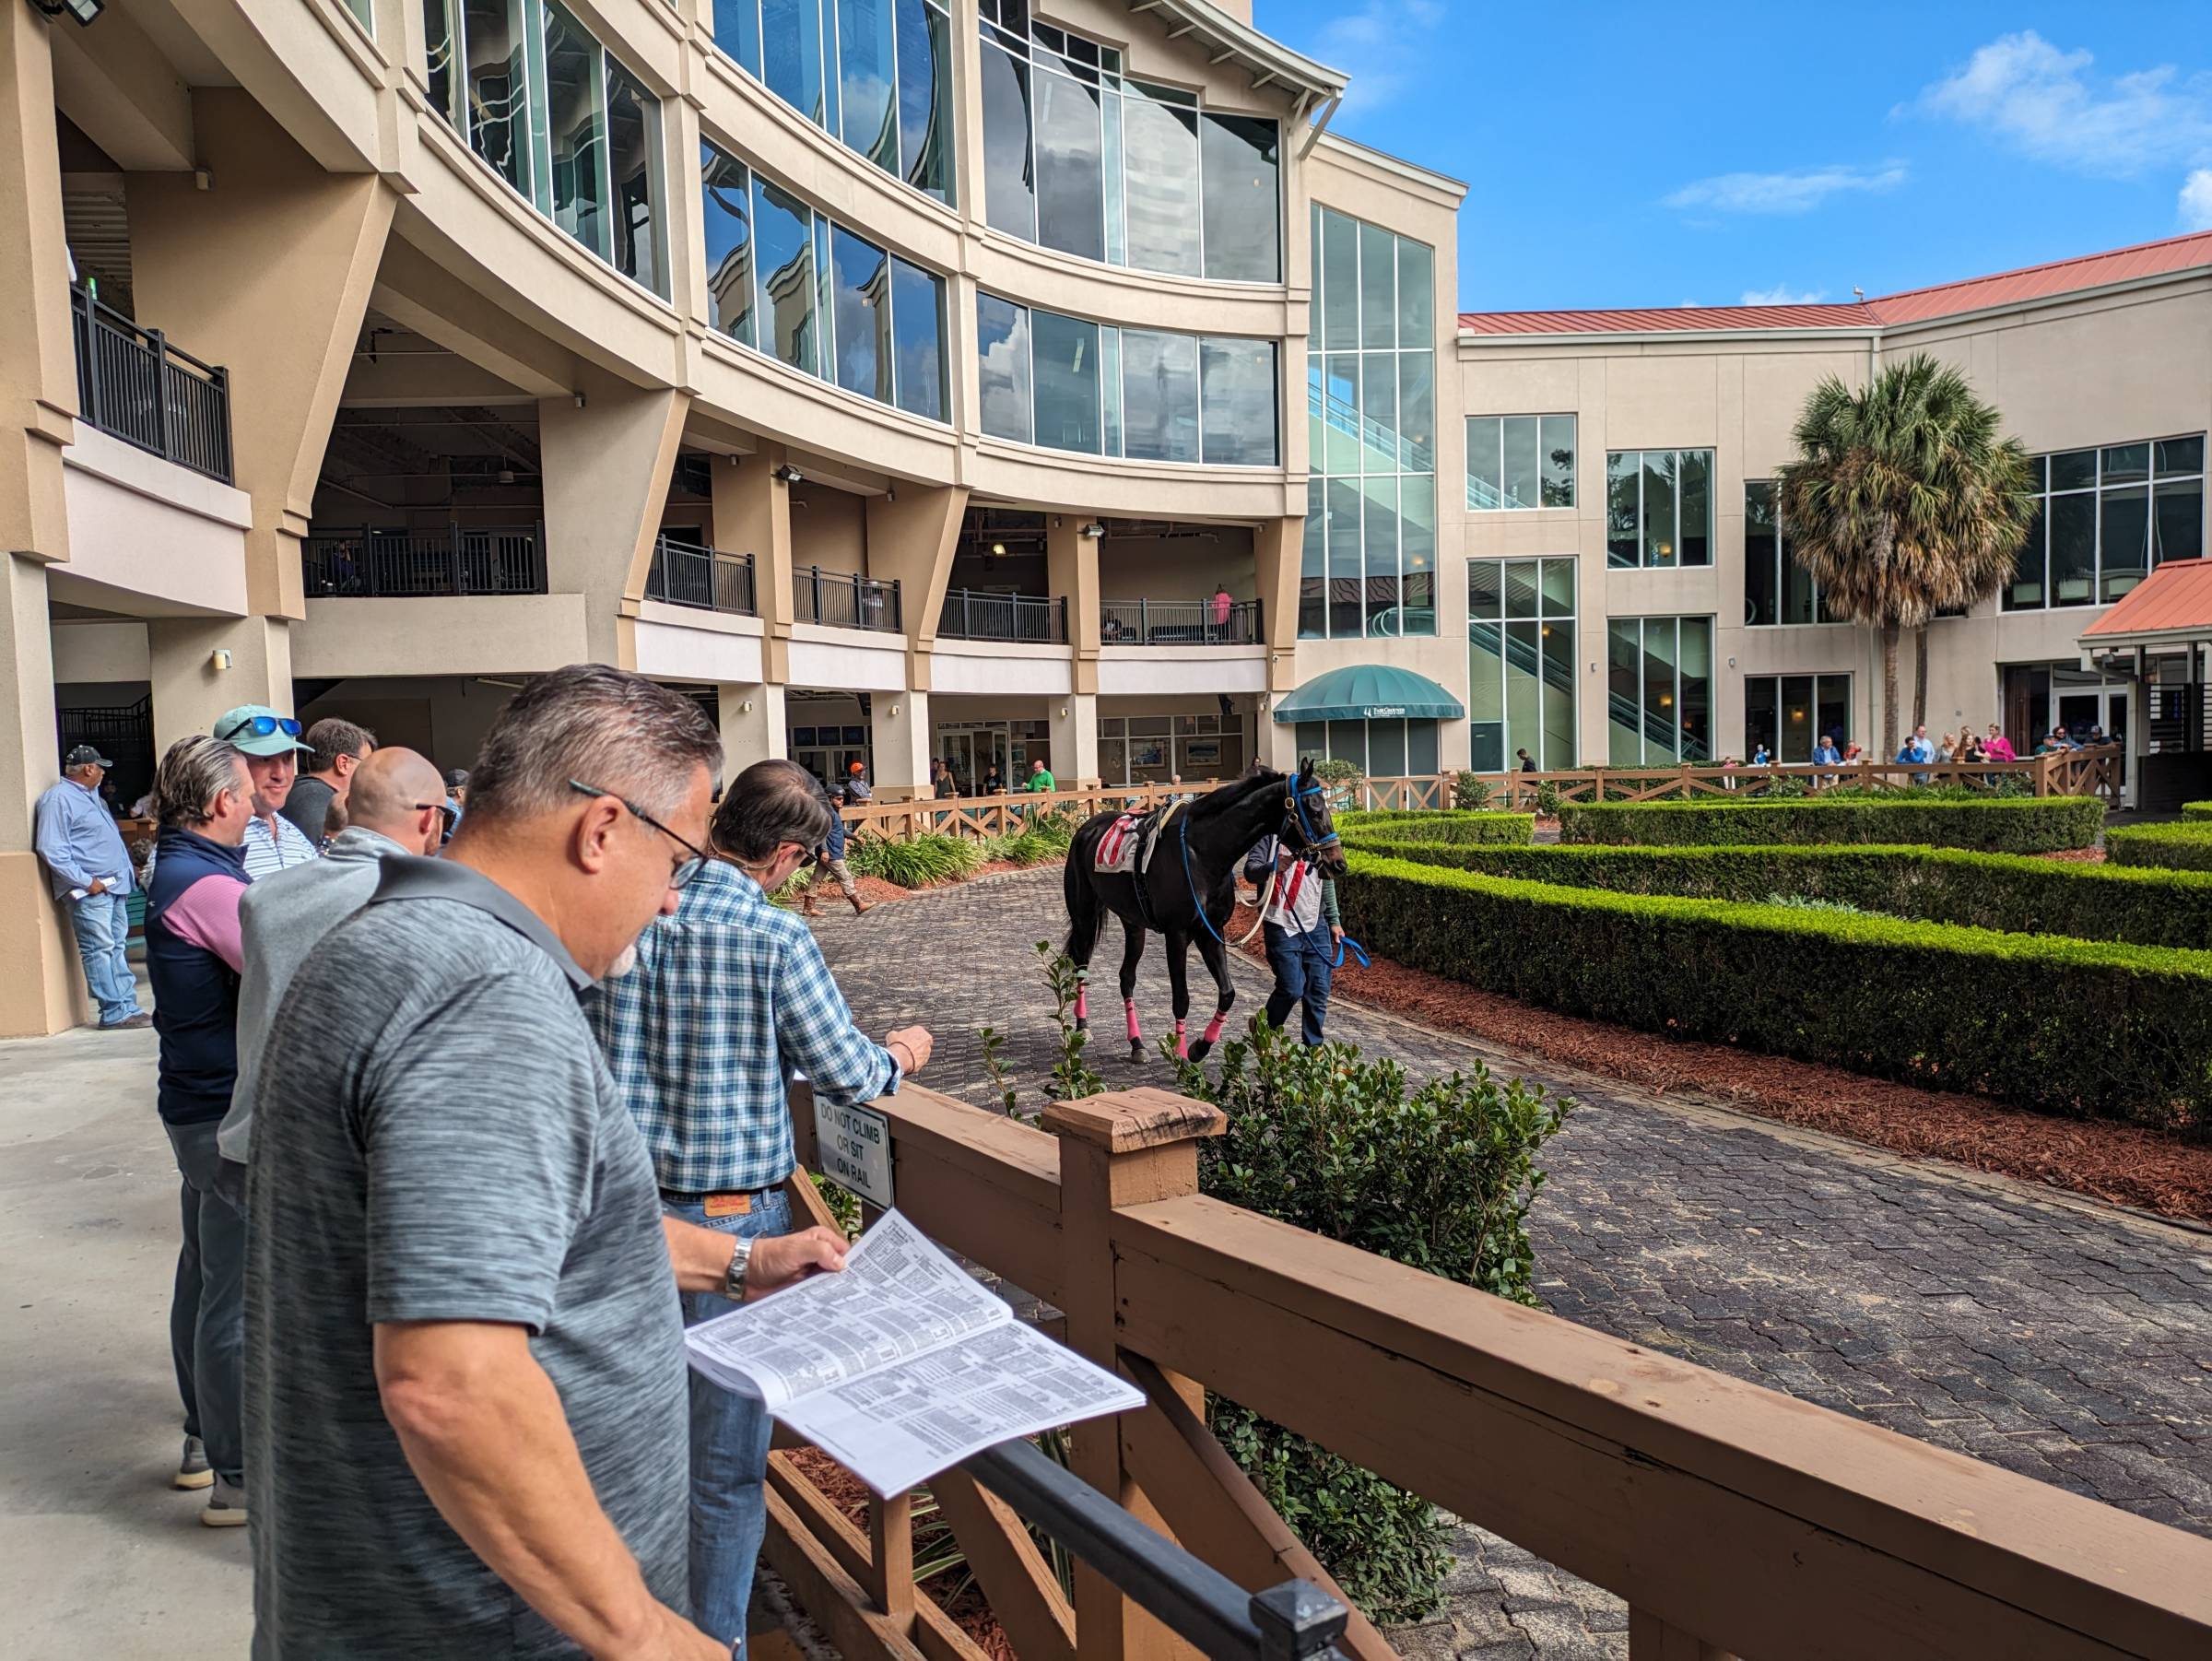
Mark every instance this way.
x=729 y=1449
x=1303 y=968
x=102 y=923
x=208 y=1309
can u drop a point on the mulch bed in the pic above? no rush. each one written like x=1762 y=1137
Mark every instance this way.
x=2123 y=1164
x=2081 y=857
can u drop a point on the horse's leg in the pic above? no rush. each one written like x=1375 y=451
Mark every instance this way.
x=1179 y=984
x=1132 y=948
x=1216 y=964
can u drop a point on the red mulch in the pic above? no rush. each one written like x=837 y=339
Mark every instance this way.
x=2123 y=1164
x=2082 y=856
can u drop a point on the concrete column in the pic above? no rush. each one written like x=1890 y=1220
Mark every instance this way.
x=1072 y=723
x=192 y=686
x=1071 y=565
x=43 y=990
x=752 y=515
x=38 y=356
x=1277 y=743
x=912 y=536
x=899 y=724
x=752 y=726
x=1278 y=550
x=608 y=453
x=266 y=272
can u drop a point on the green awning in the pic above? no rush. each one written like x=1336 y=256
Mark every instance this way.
x=1369 y=692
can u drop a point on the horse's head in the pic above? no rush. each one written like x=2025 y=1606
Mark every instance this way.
x=1307 y=822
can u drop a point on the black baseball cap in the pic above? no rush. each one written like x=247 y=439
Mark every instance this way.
x=84 y=755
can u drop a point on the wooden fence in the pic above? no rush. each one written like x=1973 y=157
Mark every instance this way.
x=2067 y=772
x=1735 y=1521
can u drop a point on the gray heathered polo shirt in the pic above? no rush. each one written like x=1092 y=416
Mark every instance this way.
x=436 y=1138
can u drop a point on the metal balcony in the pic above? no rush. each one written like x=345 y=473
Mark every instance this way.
x=132 y=383
x=1178 y=623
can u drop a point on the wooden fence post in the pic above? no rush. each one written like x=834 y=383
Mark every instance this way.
x=1127 y=1147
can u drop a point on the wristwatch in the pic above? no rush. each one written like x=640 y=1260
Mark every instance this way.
x=733 y=1283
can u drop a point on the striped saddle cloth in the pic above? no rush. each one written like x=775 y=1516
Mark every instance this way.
x=1118 y=849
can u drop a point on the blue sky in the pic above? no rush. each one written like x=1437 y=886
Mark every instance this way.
x=1626 y=155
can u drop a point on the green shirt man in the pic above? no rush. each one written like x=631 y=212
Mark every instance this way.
x=1041 y=777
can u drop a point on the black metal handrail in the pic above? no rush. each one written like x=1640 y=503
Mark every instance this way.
x=130 y=382
x=845 y=601
x=1193 y=1599
x=972 y=614
x=369 y=561
x=1178 y=623
x=705 y=577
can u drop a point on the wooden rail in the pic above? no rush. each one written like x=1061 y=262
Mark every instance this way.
x=1733 y=1520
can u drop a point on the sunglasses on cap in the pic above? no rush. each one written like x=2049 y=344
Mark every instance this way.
x=261 y=727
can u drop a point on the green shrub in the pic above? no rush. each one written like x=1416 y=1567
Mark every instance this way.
x=2186 y=846
x=1548 y=800
x=2063 y=1026
x=2037 y=825
x=2014 y=893
x=914 y=862
x=2196 y=810
x=1470 y=792
x=1462 y=827
x=1440 y=1179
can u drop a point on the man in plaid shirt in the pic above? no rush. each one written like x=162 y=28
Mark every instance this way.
x=728 y=998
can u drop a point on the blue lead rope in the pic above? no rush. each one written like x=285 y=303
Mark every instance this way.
x=1352 y=945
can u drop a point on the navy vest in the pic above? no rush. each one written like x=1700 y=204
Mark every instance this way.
x=196 y=993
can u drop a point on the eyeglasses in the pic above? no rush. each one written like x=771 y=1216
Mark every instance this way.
x=686 y=869
x=261 y=727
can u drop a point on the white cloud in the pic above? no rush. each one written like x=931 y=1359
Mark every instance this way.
x=2054 y=106
x=2197 y=200
x=1781 y=294
x=1785 y=193
x=1380 y=46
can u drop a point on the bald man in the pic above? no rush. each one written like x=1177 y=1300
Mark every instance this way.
x=394 y=805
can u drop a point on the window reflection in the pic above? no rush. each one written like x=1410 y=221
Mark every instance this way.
x=576 y=100
x=496 y=127
x=1001 y=342
x=2105 y=519
x=725 y=195
x=633 y=122
x=1658 y=507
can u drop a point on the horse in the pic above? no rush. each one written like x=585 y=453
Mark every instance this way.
x=1190 y=890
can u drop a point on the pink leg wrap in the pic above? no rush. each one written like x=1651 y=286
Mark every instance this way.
x=1082 y=1005
x=1129 y=1008
x=1213 y=1026
x=1183 y=1045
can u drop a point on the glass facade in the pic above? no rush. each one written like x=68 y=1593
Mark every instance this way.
x=558 y=116
x=2106 y=518
x=1789 y=714
x=1658 y=690
x=1520 y=634
x=1151 y=750
x=1380 y=750
x=875 y=74
x=1777 y=590
x=1368 y=565
x=1067 y=384
x=1079 y=157
x=1659 y=507
x=792 y=283
x=1520 y=462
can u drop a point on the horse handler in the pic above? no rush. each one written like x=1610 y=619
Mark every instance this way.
x=1304 y=931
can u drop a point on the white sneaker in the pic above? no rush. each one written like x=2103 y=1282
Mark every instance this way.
x=226 y=1505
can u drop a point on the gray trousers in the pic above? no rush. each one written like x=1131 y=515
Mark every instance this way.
x=207 y=1310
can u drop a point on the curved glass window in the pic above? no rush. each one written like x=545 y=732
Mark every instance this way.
x=1068 y=384
x=789 y=281
x=1079 y=157
x=877 y=74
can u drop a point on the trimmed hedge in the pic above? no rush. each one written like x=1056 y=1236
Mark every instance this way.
x=2183 y=847
x=2013 y=894
x=2030 y=825
x=2068 y=1027
x=2196 y=810
x=1461 y=826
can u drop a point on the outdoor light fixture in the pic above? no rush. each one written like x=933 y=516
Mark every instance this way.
x=219 y=659
x=1095 y=531
x=788 y=475
x=84 y=11
x=998 y=550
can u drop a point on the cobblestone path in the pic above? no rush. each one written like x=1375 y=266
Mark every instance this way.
x=2061 y=1339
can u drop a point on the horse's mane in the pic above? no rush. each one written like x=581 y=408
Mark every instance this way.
x=1223 y=797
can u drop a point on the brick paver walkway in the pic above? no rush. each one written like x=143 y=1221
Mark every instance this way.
x=2065 y=1340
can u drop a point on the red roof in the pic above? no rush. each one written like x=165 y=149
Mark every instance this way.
x=1914 y=305
x=2174 y=596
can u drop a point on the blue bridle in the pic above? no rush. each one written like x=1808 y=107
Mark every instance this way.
x=1295 y=802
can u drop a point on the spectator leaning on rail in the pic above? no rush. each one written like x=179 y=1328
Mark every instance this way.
x=729 y=997
x=91 y=871
x=397 y=802
x=338 y=748
x=466 y=1409
x=204 y=798
x=271 y=745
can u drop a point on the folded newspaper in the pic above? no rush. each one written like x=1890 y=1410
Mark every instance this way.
x=903 y=1365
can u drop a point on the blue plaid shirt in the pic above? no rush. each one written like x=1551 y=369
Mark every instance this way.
x=729 y=997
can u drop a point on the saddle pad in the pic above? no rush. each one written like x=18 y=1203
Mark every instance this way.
x=1117 y=849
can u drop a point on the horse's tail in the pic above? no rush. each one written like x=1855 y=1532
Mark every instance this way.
x=1083 y=913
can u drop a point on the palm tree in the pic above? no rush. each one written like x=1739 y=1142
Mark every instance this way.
x=1904 y=500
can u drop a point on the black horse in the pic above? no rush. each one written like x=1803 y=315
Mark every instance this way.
x=1190 y=890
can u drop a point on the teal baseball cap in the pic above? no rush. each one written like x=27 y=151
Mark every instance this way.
x=259 y=730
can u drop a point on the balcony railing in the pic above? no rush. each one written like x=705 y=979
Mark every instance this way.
x=369 y=562
x=705 y=577
x=844 y=601
x=130 y=382
x=1020 y=619
x=1178 y=623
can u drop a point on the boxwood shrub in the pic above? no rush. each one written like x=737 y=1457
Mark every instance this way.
x=1462 y=827
x=2069 y=1027
x=2196 y=810
x=2031 y=825
x=2186 y=846
x=2013 y=892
